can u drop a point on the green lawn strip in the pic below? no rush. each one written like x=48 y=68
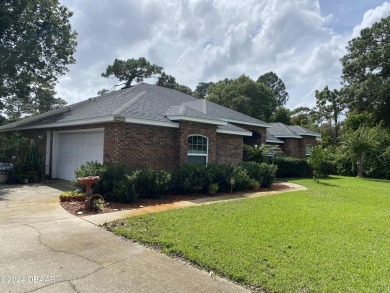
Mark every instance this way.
x=335 y=237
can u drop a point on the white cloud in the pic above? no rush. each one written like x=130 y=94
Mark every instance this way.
x=372 y=16
x=205 y=40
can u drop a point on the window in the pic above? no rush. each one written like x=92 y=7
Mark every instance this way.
x=309 y=148
x=197 y=149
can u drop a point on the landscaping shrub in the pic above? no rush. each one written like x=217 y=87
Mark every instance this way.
x=151 y=183
x=115 y=183
x=292 y=167
x=190 y=178
x=220 y=174
x=242 y=181
x=264 y=173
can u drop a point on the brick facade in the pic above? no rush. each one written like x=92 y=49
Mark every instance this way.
x=141 y=146
x=296 y=147
x=229 y=148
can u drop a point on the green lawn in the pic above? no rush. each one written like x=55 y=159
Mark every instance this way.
x=335 y=237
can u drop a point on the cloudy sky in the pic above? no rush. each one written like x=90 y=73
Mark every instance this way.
x=204 y=40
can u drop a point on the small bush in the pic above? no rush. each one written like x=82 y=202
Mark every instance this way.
x=264 y=173
x=213 y=189
x=190 y=178
x=220 y=174
x=292 y=167
x=124 y=190
x=242 y=181
x=151 y=183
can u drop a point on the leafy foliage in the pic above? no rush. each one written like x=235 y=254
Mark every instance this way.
x=151 y=183
x=360 y=144
x=169 y=81
x=244 y=95
x=131 y=69
x=292 y=167
x=277 y=87
x=36 y=45
x=366 y=71
x=203 y=89
x=316 y=161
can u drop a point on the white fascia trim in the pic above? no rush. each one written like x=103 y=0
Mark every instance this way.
x=69 y=123
x=274 y=141
x=103 y=119
x=245 y=123
x=309 y=134
x=200 y=120
x=235 y=132
x=288 y=136
x=152 y=122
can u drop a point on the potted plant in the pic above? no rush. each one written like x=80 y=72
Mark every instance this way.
x=5 y=168
x=32 y=163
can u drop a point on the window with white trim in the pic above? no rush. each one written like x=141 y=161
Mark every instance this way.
x=309 y=148
x=197 y=149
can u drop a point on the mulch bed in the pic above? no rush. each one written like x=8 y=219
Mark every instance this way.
x=77 y=208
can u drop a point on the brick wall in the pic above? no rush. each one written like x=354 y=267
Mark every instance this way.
x=141 y=146
x=229 y=148
x=296 y=147
x=190 y=128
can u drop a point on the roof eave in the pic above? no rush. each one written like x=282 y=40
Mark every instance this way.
x=235 y=132
x=104 y=119
x=245 y=123
x=274 y=141
x=194 y=119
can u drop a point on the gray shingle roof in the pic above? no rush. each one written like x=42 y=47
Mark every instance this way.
x=272 y=139
x=280 y=130
x=142 y=101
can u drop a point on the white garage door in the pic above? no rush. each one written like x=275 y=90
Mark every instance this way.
x=76 y=148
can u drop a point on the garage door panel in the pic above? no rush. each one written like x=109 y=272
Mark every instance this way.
x=75 y=149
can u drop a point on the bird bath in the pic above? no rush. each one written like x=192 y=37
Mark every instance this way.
x=88 y=181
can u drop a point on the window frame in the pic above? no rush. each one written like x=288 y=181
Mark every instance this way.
x=311 y=149
x=193 y=154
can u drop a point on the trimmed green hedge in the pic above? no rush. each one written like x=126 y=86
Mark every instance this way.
x=292 y=167
x=119 y=182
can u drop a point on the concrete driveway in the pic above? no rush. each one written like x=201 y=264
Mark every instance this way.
x=43 y=248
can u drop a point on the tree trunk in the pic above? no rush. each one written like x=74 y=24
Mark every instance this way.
x=360 y=166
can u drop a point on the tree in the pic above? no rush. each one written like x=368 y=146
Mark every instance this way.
x=169 y=81
x=36 y=45
x=131 y=69
x=330 y=105
x=317 y=158
x=366 y=71
x=305 y=117
x=282 y=115
x=360 y=144
x=277 y=86
x=203 y=89
x=245 y=96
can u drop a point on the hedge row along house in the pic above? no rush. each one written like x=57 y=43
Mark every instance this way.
x=143 y=126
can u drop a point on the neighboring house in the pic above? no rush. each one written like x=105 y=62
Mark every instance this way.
x=294 y=140
x=143 y=126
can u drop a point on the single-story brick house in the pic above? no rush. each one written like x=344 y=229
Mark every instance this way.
x=143 y=126
x=294 y=140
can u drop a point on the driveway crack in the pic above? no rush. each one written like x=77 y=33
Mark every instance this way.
x=61 y=251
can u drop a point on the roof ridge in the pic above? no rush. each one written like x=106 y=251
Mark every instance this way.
x=130 y=102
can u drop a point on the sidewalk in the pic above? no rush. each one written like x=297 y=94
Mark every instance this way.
x=101 y=219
